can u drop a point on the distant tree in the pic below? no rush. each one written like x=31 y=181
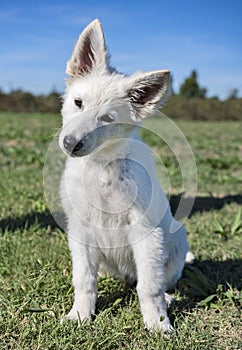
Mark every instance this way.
x=171 y=85
x=53 y=101
x=27 y=101
x=190 y=88
x=215 y=97
x=23 y=101
x=233 y=94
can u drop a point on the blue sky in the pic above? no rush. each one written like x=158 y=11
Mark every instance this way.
x=37 y=38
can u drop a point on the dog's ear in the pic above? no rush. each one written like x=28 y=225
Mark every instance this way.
x=148 y=91
x=90 y=52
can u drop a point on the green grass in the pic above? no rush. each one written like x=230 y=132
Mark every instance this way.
x=35 y=265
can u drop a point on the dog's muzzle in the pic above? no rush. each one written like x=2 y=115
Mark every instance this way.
x=92 y=140
x=72 y=145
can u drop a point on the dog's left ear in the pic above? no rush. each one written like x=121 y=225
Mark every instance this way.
x=90 y=52
x=148 y=91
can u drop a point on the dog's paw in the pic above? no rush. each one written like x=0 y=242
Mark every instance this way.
x=163 y=326
x=166 y=327
x=76 y=315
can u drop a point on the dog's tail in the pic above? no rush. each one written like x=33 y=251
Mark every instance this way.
x=190 y=258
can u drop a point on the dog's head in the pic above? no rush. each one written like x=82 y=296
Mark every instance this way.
x=100 y=104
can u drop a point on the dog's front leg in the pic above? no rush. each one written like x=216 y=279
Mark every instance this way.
x=149 y=258
x=84 y=281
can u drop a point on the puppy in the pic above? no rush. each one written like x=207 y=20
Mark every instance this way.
x=118 y=217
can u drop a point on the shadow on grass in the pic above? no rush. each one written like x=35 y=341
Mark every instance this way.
x=202 y=279
x=45 y=219
x=209 y=282
x=198 y=282
x=202 y=204
x=113 y=300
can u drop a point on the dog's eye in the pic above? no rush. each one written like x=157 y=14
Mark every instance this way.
x=106 y=118
x=78 y=103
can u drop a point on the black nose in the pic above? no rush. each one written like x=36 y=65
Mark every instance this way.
x=71 y=144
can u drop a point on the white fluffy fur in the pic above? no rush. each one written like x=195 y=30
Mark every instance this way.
x=119 y=219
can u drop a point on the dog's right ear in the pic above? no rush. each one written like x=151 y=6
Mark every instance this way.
x=90 y=52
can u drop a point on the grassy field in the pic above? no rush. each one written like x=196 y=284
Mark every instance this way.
x=35 y=265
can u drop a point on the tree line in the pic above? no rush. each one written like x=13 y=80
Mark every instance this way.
x=191 y=102
x=22 y=101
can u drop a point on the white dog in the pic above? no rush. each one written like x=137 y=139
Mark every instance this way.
x=119 y=219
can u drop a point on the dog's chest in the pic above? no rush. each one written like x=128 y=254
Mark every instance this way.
x=101 y=195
